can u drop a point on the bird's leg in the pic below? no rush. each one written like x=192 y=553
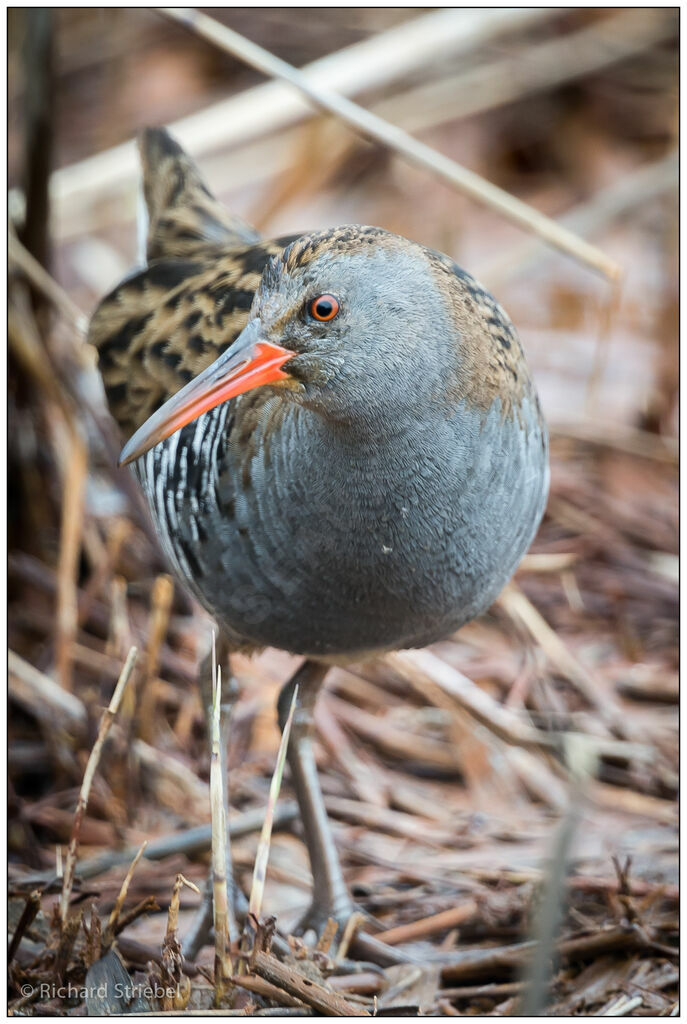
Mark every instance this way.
x=201 y=927
x=330 y=896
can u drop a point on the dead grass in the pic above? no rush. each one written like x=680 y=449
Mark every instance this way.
x=447 y=772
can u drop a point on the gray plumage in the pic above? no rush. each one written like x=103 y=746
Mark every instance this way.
x=381 y=497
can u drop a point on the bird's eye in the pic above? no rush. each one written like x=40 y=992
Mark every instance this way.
x=324 y=308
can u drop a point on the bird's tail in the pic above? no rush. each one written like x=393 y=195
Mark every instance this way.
x=184 y=218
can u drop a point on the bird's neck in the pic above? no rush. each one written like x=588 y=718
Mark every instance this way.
x=364 y=441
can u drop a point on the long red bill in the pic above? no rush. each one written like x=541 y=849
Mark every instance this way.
x=248 y=363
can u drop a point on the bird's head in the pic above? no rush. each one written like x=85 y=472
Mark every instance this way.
x=360 y=312
x=357 y=324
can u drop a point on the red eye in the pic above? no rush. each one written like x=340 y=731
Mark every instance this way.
x=324 y=308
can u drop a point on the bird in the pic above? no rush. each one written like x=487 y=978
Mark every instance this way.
x=338 y=437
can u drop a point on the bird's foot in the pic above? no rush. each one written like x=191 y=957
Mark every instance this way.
x=312 y=925
x=359 y=945
x=200 y=931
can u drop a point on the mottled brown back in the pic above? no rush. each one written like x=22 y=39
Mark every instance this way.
x=163 y=325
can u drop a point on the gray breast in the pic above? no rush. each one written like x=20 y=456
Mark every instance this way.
x=326 y=546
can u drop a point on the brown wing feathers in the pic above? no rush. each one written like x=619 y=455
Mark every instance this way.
x=185 y=219
x=163 y=325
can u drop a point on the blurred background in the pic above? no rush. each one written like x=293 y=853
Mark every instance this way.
x=574 y=111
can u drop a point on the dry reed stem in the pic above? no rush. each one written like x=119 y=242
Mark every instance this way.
x=349 y=933
x=521 y=610
x=31 y=908
x=447 y=1009
x=118 y=627
x=374 y=63
x=111 y=929
x=190 y=842
x=46 y=284
x=260 y=987
x=328 y=935
x=173 y=913
x=117 y=533
x=223 y=965
x=42 y=696
x=172 y=960
x=549 y=563
x=25 y=343
x=628 y=801
x=74 y=471
x=94 y=757
x=148 y=905
x=618 y=436
x=631 y=192
x=532 y=70
x=161 y=604
x=415 y=930
x=364 y=781
x=536 y=68
x=400 y=142
x=416 y=666
x=236 y=123
x=65 y=944
x=94 y=937
x=257 y=890
x=392 y=739
x=173 y=782
x=479 y=963
x=477 y=750
x=71 y=453
x=328 y=1004
x=623 y=1006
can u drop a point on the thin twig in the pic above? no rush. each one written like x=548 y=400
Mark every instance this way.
x=104 y=728
x=175 y=983
x=619 y=436
x=74 y=465
x=173 y=912
x=531 y=69
x=258 y=985
x=520 y=609
x=623 y=1007
x=190 y=842
x=42 y=696
x=223 y=965
x=286 y=977
x=452 y=918
x=262 y=855
x=111 y=929
x=350 y=932
x=479 y=963
x=148 y=905
x=31 y=908
x=161 y=604
x=42 y=280
x=396 y=139
x=416 y=666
